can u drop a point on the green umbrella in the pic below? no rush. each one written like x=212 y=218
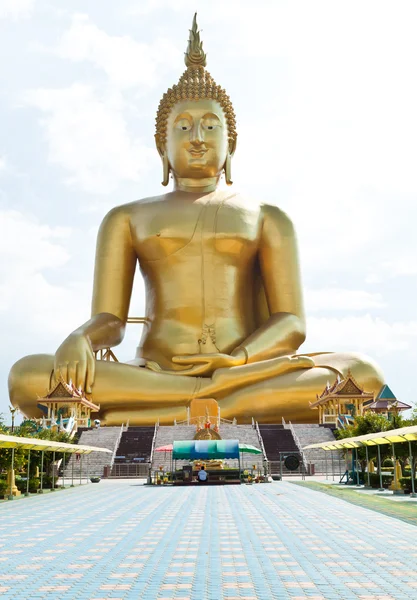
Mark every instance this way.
x=247 y=448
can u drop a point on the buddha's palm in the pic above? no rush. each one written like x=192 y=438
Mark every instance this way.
x=74 y=360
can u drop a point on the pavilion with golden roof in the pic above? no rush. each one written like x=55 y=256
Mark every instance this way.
x=67 y=407
x=340 y=402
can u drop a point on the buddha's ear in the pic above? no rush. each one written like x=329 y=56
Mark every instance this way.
x=232 y=147
x=228 y=164
x=160 y=146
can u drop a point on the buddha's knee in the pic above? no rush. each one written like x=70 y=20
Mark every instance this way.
x=29 y=378
x=367 y=372
x=363 y=368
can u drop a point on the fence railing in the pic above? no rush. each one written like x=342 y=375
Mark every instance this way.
x=299 y=446
x=130 y=470
x=212 y=419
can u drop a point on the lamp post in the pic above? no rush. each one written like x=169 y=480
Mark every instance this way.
x=13 y=410
x=13 y=489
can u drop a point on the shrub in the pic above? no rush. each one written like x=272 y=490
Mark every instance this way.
x=34 y=483
x=3 y=487
x=374 y=480
x=388 y=463
x=47 y=482
x=406 y=484
x=20 y=484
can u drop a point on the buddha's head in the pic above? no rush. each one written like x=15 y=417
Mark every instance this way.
x=195 y=125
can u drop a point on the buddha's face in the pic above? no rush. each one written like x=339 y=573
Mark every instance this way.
x=197 y=139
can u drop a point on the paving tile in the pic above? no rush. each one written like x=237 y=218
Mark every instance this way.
x=124 y=541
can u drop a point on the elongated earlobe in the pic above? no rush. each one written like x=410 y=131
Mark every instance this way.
x=228 y=169
x=165 y=169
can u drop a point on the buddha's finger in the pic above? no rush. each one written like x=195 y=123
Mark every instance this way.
x=63 y=371
x=81 y=374
x=91 y=373
x=72 y=372
x=304 y=362
x=197 y=370
x=192 y=359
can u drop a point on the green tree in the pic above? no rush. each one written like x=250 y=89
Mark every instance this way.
x=368 y=423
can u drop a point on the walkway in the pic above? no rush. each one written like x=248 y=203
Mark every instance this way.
x=119 y=539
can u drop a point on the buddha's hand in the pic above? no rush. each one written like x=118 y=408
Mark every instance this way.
x=205 y=364
x=74 y=360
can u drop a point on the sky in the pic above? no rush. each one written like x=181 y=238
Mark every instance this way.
x=325 y=97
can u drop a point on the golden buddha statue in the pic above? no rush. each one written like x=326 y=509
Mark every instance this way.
x=224 y=309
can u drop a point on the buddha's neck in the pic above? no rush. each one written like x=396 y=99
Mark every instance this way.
x=208 y=184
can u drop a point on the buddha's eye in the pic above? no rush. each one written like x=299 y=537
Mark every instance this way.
x=183 y=125
x=210 y=124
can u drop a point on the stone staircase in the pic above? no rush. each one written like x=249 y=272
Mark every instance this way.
x=278 y=442
x=168 y=434
x=94 y=463
x=313 y=434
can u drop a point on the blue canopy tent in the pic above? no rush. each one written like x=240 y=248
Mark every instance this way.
x=205 y=449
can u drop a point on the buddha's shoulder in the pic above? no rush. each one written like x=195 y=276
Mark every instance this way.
x=270 y=213
x=131 y=209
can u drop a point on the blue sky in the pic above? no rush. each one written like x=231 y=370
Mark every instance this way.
x=325 y=99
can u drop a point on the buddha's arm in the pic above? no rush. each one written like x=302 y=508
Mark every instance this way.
x=284 y=331
x=113 y=280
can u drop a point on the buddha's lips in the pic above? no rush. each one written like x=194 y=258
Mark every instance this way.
x=197 y=153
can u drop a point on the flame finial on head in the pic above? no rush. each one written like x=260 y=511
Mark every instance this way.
x=195 y=55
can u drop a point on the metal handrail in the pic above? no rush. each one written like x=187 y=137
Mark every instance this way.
x=116 y=446
x=298 y=444
x=153 y=443
x=261 y=443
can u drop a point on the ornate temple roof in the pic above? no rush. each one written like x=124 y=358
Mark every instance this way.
x=385 y=393
x=65 y=392
x=347 y=388
x=386 y=400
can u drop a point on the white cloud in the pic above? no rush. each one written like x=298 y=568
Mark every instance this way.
x=126 y=62
x=366 y=334
x=30 y=305
x=49 y=311
x=331 y=299
x=405 y=265
x=146 y=7
x=16 y=9
x=26 y=247
x=88 y=136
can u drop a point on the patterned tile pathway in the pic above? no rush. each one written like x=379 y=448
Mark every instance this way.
x=119 y=539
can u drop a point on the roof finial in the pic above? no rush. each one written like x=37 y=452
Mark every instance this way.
x=195 y=55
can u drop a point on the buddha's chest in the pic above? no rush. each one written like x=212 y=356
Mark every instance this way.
x=195 y=229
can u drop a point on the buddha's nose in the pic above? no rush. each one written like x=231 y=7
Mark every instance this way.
x=196 y=134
